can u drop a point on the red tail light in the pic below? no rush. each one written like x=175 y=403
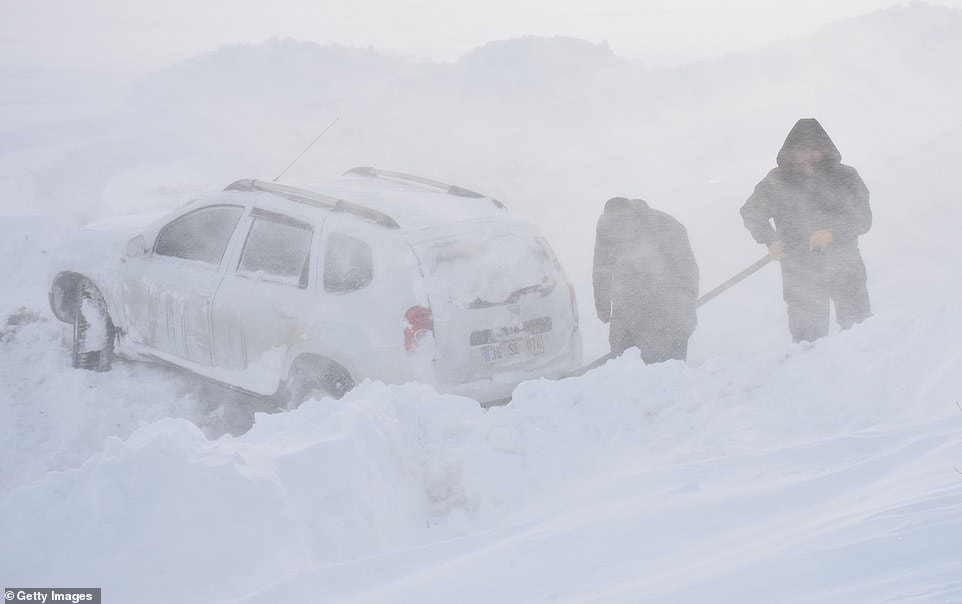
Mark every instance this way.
x=420 y=324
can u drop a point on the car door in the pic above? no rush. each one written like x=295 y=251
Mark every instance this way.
x=366 y=279
x=264 y=299
x=169 y=290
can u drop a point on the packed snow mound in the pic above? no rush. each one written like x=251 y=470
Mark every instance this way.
x=919 y=23
x=532 y=62
x=402 y=471
x=263 y=75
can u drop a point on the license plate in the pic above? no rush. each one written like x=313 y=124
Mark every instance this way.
x=512 y=349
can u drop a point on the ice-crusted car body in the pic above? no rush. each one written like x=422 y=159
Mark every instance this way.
x=296 y=292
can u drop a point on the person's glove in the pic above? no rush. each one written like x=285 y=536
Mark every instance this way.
x=604 y=315
x=820 y=240
x=776 y=250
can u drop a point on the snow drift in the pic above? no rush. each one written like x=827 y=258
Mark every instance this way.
x=744 y=479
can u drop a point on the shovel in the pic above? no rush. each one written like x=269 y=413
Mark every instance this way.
x=754 y=268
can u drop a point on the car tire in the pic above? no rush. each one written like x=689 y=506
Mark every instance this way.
x=313 y=380
x=93 y=330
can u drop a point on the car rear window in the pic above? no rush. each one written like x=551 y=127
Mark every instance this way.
x=487 y=270
x=348 y=264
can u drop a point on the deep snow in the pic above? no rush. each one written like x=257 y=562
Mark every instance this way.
x=760 y=471
x=824 y=472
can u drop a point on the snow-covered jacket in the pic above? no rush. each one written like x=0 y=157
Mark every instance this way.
x=832 y=197
x=643 y=264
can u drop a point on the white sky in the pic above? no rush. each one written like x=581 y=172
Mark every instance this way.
x=133 y=34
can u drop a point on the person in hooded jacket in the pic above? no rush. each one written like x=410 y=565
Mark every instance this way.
x=810 y=211
x=645 y=280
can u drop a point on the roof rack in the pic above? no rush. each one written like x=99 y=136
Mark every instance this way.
x=420 y=180
x=318 y=200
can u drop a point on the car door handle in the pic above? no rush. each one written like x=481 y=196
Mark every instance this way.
x=287 y=312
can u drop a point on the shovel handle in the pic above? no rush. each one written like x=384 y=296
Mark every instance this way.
x=755 y=267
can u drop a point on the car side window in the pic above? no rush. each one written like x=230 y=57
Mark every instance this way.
x=348 y=264
x=278 y=247
x=202 y=235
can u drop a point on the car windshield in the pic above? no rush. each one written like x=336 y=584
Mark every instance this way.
x=484 y=270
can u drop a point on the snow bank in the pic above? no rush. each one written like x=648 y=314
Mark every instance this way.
x=696 y=474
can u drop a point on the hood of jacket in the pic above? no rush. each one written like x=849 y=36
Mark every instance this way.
x=807 y=135
x=623 y=204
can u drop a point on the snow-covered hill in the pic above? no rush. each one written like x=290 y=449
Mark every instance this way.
x=760 y=471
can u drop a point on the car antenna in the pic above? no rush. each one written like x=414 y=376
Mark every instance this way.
x=305 y=149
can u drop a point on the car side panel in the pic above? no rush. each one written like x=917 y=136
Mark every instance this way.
x=363 y=330
x=256 y=318
x=167 y=301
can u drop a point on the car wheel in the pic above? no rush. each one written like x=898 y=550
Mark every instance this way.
x=93 y=330
x=312 y=380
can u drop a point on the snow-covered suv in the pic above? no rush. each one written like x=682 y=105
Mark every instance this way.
x=296 y=292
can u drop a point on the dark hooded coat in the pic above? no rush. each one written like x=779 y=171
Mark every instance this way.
x=645 y=274
x=790 y=204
